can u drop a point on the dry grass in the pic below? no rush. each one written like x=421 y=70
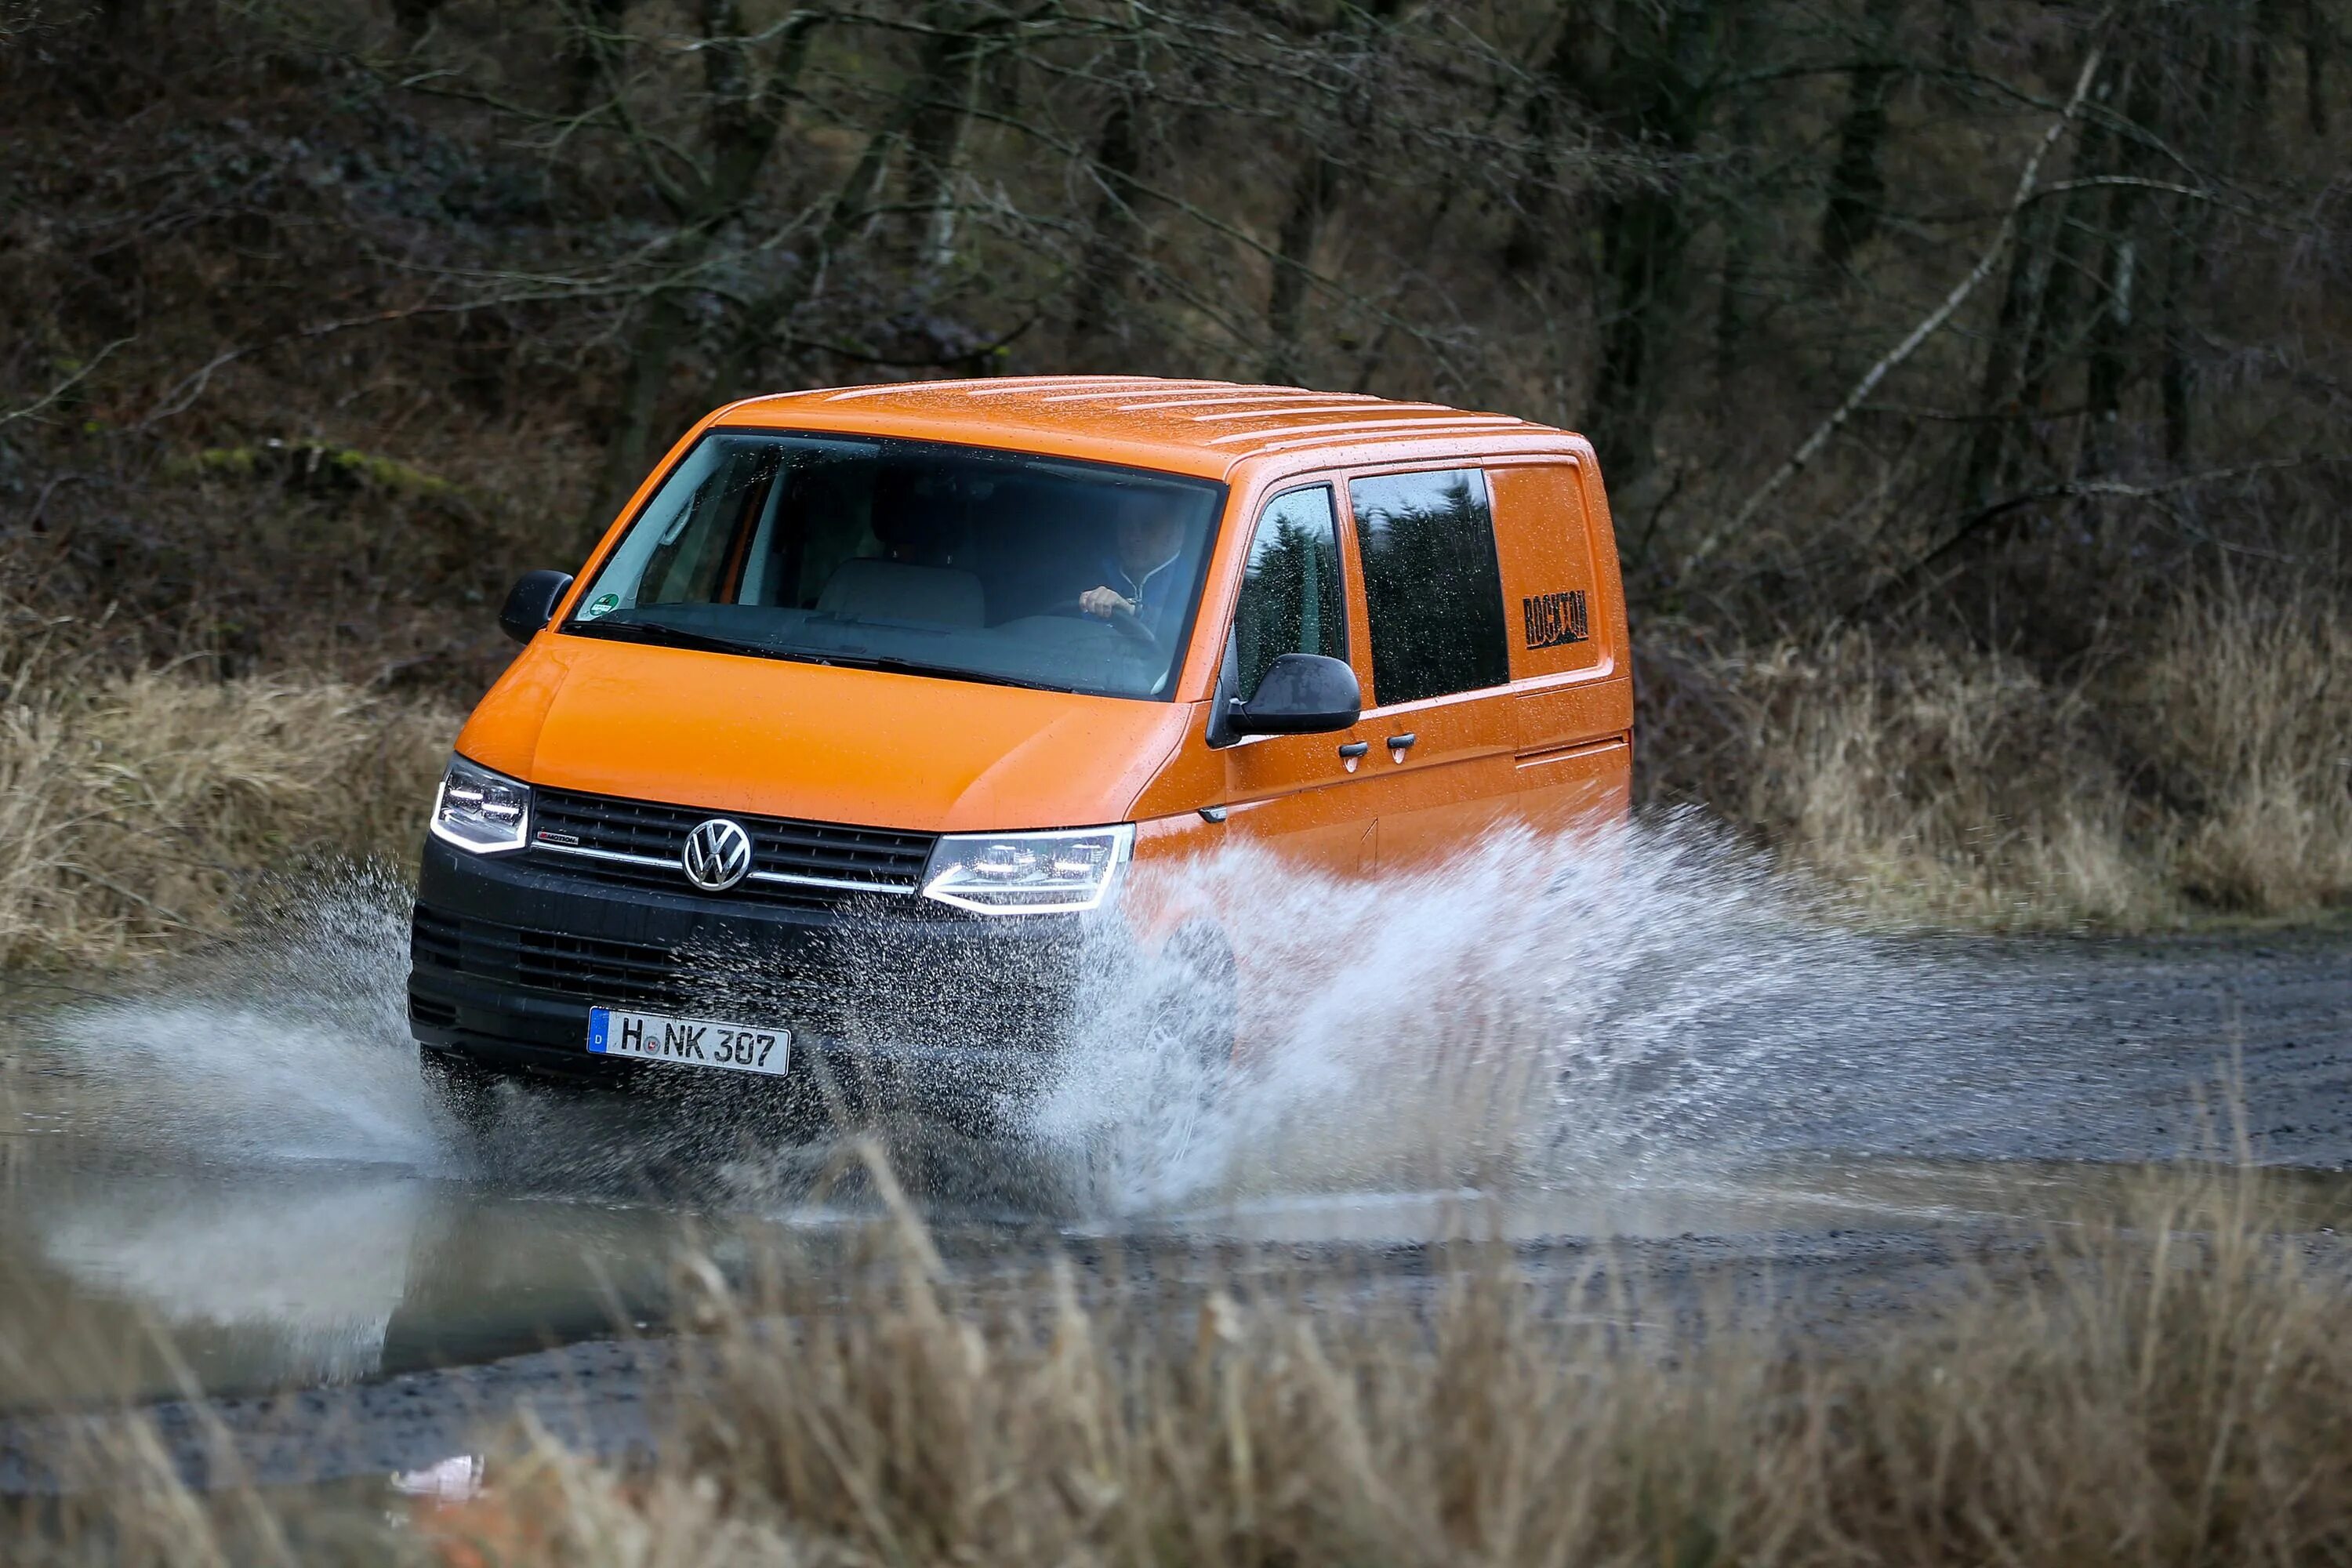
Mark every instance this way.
x=2181 y=1403
x=2247 y=713
x=1960 y=787
x=2174 y=1388
x=137 y=810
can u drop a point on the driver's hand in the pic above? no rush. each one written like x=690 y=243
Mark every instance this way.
x=1104 y=603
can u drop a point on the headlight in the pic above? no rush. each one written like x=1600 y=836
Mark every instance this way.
x=1027 y=873
x=480 y=811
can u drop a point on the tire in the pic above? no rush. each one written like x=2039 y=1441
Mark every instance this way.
x=467 y=1094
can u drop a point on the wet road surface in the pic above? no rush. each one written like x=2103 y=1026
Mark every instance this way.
x=357 y=1291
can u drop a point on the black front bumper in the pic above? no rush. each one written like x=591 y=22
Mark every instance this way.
x=895 y=1000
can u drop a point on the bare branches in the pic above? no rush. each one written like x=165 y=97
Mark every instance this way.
x=1926 y=327
x=1666 y=230
x=183 y=393
x=1907 y=580
x=80 y=374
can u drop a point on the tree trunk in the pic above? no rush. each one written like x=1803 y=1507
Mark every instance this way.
x=2108 y=370
x=1311 y=195
x=743 y=119
x=2318 y=46
x=1562 y=84
x=413 y=16
x=758 y=327
x=1857 y=193
x=1644 y=238
x=1656 y=75
x=2015 y=325
x=2185 y=273
x=1112 y=236
x=1956 y=44
x=2268 y=22
x=1314 y=191
x=594 y=49
x=1739 y=226
x=2035 y=317
x=2173 y=373
x=652 y=348
x=950 y=78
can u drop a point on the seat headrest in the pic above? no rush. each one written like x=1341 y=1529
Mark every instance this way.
x=896 y=591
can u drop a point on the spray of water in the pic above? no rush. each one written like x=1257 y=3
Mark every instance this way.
x=292 y=1047
x=1581 y=1012
x=1552 y=1012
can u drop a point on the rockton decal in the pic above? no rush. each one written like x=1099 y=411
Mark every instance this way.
x=1555 y=620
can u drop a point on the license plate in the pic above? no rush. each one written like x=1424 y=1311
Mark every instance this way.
x=687 y=1042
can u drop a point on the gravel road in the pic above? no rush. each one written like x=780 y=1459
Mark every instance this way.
x=371 y=1307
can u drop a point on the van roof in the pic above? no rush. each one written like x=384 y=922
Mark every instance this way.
x=1205 y=427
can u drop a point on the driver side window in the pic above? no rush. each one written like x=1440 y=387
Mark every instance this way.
x=1291 y=600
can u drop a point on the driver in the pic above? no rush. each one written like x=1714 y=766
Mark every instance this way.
x=1136 y=579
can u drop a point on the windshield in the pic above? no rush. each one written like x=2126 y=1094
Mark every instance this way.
x=911 y=555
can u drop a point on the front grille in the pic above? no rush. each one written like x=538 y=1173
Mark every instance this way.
x=587 y=967
x=877 y=858
x=849 y=981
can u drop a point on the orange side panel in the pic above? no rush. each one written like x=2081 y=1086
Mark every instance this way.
x=1576 y=786
x=1573 y=712
x=1558 y=616
x=1292 y=795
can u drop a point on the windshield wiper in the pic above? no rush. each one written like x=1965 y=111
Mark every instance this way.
x=666 y=637
x=897 y=666
x=677 y=637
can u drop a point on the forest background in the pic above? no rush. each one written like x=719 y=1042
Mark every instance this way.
x=1970 y=376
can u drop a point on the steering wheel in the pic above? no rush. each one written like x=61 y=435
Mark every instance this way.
x=1126 y=621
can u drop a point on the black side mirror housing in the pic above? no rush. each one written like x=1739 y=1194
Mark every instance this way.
x=1300 y=694
x=531 y=604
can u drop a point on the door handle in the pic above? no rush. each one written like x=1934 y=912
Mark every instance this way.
x=1355 y=748
x=1402 y=743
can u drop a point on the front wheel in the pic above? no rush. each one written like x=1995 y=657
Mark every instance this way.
x=461 y=1090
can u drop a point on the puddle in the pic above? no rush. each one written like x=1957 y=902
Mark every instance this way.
x=233 y=1182
x=119 y=1281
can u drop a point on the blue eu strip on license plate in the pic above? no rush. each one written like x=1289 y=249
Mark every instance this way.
x=689 y=1042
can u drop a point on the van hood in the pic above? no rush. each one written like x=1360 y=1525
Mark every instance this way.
x=774 y=738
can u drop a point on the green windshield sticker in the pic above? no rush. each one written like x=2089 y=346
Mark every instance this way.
x=602 y=605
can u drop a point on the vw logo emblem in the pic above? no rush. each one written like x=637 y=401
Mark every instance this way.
x=718 y=854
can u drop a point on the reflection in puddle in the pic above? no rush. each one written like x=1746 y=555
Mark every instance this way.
x=315 y=1271
x=272 y=1279
x=248 y=1165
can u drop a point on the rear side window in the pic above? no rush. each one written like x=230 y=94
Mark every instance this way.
x=1291 y=600
x=1432 y=586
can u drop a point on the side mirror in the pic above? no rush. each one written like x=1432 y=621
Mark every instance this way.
x=1300 y=694
x=531 y=602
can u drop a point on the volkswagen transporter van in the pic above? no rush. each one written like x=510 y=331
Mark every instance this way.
x=873 y=697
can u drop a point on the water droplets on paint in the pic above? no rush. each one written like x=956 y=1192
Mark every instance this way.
x=1557 y=1012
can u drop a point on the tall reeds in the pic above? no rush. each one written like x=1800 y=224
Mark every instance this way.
x=2168 y=1383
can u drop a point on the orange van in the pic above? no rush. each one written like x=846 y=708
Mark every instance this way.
x=874 y=696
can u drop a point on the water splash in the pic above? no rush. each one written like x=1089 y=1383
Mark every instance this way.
x=1652 y=1004
x=1581 y=1011
x=292 y=1047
